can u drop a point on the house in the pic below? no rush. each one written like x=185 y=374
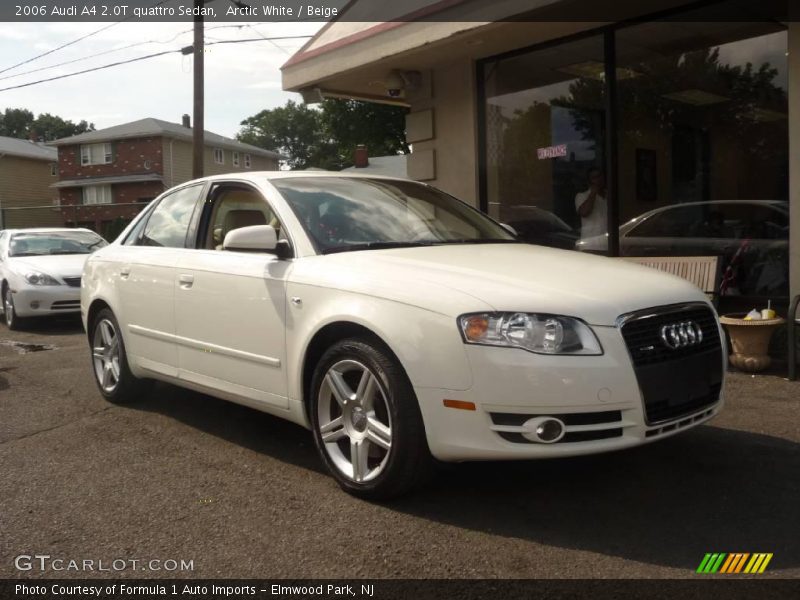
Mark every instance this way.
x=515 y=106
x=27 y=169
x=106 y=177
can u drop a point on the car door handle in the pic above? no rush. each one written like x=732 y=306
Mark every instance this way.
x=185 y=281
x=125 y=272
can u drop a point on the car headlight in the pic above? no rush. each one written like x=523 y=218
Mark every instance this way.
x=543 y=334
x=37 y=278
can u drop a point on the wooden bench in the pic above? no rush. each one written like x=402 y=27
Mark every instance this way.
x=702 y=271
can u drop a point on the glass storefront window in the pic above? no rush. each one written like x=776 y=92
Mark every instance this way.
x=545 y=142
x=703 y=148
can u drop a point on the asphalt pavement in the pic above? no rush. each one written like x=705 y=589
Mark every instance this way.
x=184 y=477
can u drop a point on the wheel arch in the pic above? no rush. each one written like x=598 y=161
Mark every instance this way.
x=95 y=307
x=324 y=338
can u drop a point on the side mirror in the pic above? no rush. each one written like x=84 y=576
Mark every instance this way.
x=256 y=237
x=509 y=229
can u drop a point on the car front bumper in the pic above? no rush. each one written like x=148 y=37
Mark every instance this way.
x=46 y=300
x=597 y=397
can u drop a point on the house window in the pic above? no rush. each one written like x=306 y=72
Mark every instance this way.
x=247 y=162
x=235 y=159
x=219 y=156
x=53 y=169
x=97 y=194
x=96 y=154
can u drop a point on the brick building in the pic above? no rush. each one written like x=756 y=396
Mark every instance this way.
x=106 y=177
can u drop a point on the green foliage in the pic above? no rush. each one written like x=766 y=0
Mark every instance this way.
x=20 y=123
x=326 y=137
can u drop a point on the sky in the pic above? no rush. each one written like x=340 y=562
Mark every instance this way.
x=241 y=79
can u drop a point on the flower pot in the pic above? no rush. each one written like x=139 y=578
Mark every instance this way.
x=749 y=341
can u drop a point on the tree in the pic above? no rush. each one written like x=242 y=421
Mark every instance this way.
x=380 y=127
x=20 y=123
x=326 y=137
x=292 y=130
x=16 y=123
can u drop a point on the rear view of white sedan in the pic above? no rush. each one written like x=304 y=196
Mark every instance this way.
x=398 y=324
x=40 y=271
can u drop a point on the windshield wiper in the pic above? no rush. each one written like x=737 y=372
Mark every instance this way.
x=375 y=246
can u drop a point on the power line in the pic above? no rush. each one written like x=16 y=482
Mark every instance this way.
x=267 y=39
x=111 y=51
x=25 y=62
x=75 y=41
x=145 y=57
x=261 y=39
x=101 y=67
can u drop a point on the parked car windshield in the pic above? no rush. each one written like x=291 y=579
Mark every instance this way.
x=341 y=214
x=55 y=242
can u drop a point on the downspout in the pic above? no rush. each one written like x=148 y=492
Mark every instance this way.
x=171 y=165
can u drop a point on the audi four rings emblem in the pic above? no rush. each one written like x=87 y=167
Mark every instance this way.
x=681 y=335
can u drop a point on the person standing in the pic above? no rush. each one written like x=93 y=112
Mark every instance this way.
x=592 y=208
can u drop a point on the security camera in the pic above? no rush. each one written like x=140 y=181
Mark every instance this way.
x=395 y=84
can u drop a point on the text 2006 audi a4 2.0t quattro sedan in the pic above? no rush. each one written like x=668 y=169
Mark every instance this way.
x=398 y=324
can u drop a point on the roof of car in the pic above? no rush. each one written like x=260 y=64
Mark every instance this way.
x=257 y=176
x=46 y=230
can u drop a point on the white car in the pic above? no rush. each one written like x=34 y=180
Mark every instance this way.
x=398 y=324
x=40 y=271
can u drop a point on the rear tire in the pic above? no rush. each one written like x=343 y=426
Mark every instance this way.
x=110 y=362
x=366 y=421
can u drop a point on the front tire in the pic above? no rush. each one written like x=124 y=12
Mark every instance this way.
x=110 y=362
x=366 y=421
x=13 y=322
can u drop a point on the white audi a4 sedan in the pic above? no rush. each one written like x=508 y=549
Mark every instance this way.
x=397 y=323
x=40 y=271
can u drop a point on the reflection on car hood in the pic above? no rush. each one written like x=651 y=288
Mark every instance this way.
x=69 y=265
x=453 y=279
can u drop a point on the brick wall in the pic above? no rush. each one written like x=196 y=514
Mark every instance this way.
x=129 y=158
x=103 y=218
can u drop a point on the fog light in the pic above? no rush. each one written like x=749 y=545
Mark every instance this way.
x=545 y=430
x=35 y=304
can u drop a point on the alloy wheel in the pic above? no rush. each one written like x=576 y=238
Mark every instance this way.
x=354 y=420
x=106 y=354
x=8 y=307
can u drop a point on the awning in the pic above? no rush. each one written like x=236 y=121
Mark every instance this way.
x=87 y=181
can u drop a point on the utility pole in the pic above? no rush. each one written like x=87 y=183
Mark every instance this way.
x=199 y=100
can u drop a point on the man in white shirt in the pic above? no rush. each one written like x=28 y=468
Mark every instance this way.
x=591 y=206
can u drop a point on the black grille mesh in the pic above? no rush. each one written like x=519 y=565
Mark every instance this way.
x=643 y=335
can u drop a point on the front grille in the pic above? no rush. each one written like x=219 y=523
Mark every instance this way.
x=674 y=382
x=642 y=335
x=662 y=410
x=72 y=281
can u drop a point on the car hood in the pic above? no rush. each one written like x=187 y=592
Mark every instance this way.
x=454 y=279
x=57 y=265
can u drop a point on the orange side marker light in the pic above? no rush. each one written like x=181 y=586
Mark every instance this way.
x=461 y=404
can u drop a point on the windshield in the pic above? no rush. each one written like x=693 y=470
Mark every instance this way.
x=55 y=242
x=341 y=214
